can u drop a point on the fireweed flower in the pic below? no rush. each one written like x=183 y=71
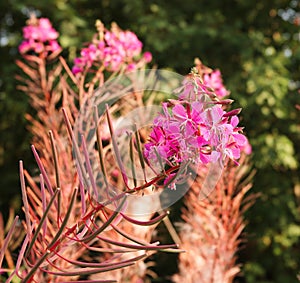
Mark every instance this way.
x=194 y=129
x=112 y=50
x=214 y=80
x=39 y=37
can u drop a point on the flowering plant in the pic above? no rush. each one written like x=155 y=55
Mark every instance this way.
x=80 y=198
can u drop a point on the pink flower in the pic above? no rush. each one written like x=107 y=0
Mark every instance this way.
x=214 y=81
x=53 y=46
x=39 y=37
x=24 y=47
x=147 y=57
x=131 y=67
x=169 y=181
x=46 y=31
x=130 y=43
x=247 y=148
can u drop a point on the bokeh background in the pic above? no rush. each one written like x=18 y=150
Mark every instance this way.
x=256 y=45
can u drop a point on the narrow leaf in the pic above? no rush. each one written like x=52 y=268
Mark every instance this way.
x=21 y=253
x=89 y=281
x=138 y=247
x=44 y=203
x=139 y=149
x=82 y=192
x=101 y=264
x=100 y=147
x=127 y=236
x=42 y=169
x=24 y=197
x=146 y=223
x=89 y=168
x=30 y=274
x=7 y=239
x=131 y=146
x=87 y=271
x=106 y=224
x=65 y=221
x=54 y=153
x=116 y=149
x=66 y=67
x=41 y=223
x=76 y=148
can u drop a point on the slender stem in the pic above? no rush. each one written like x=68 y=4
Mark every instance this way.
x=66 y=67
x=43 y=74
x=171 y=230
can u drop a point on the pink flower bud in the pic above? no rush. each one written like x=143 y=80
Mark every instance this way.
x=147 y=57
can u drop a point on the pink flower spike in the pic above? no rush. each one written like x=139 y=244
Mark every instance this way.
x=114 y=50
x=39 y=37
x=193 y=130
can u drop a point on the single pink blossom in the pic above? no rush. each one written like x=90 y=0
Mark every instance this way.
x=147 y=57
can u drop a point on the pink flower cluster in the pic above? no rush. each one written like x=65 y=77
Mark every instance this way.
x=115 y=48
x=39 y=37
x=195 y=129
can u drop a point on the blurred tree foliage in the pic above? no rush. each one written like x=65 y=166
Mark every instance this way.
x=256 y=46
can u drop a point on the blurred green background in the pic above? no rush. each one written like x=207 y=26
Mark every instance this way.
x=255 y=44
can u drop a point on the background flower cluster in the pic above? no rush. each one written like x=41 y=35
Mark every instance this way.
x=111 y=50
x=39 y=37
